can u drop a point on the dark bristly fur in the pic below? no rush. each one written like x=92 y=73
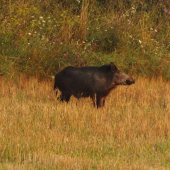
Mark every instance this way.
x=90 y=81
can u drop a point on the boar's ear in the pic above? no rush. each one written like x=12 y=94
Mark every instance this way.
x=113 y=67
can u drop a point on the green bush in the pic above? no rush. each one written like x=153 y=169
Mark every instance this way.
x=42 y=37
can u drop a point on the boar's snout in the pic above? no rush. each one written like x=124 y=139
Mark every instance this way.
x=130 y=81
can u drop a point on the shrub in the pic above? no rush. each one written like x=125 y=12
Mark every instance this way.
x=41 y=37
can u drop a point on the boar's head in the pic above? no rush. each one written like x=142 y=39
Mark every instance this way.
x=120 y=78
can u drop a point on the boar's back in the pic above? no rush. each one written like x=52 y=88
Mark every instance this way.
x=83 y=81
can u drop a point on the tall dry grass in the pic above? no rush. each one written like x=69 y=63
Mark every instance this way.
x=38 y=132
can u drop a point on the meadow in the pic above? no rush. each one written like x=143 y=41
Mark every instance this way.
x=38 y=39
x=38 y=132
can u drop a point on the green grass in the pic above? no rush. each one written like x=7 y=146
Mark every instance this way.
x=41 y=38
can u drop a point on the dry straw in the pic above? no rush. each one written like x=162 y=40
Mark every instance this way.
x=37 y=131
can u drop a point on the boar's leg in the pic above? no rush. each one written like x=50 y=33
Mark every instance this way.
x=103 y=101
x=65 y=97
x=61 y=98
x=93 y=98
x=100 y=100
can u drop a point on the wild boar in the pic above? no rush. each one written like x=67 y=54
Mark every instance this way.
x=90 y=81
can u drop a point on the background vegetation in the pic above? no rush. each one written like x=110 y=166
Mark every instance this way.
x=40 y=37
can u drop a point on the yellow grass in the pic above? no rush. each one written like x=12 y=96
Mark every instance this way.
x=132 y=131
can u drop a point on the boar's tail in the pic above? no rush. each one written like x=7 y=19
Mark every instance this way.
x=56 y=88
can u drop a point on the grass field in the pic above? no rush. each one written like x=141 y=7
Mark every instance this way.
x=132 y=131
